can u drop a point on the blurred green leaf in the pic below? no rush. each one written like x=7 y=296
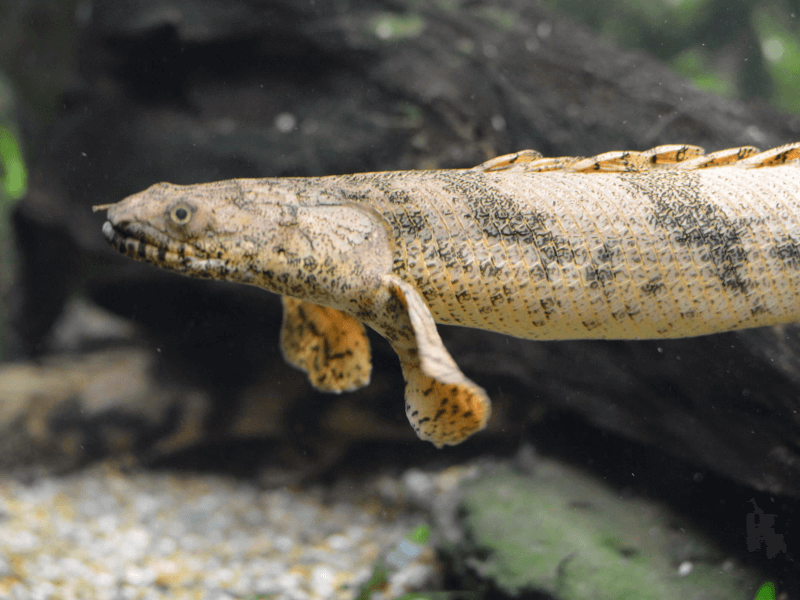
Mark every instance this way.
x=766 y=592
x=375 y=583
x=781 y=50
x=420 y=534
x=746 y=48
x=13 y=175
x=693 y=65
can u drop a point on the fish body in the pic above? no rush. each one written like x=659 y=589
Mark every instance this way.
x=624 y=245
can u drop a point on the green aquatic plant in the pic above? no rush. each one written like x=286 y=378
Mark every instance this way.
x=13 y=186
x=420 y=534
x=13 y=174
x=766 y=592
x=745 y=49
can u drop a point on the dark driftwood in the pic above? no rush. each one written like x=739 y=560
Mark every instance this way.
x=191 y=94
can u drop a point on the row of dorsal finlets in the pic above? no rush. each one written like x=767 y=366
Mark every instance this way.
x=674 y=156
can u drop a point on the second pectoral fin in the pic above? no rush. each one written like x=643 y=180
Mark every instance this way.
x=442 y=404
x=330 y=346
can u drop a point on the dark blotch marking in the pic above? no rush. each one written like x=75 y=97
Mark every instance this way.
x=681 y=208
x=396 y=196
x=499 y=215
x=309 y=264
x=653 y=286
x=493 y=213
x=596 y=275
x=410 y=220
x=789 y=253
x=496 y=213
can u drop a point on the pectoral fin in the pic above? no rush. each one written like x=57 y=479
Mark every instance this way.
x=442 y=405
x=330 y=346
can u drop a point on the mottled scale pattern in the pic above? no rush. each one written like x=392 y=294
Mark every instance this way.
x=669 y=242
x=563 y=255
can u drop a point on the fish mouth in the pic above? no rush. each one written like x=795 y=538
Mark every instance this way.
x=147 y=244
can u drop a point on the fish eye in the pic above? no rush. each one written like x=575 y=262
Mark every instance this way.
x=180 y=214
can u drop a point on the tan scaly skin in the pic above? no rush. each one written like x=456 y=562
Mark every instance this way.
x=624 y=245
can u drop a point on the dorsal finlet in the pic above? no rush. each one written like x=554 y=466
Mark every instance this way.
x=773 y=158
x=673 y=156
x=720 y=158
x=506 y=161
x=672 y=153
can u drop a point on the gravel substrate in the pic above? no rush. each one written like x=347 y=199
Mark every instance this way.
x=103 y=534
